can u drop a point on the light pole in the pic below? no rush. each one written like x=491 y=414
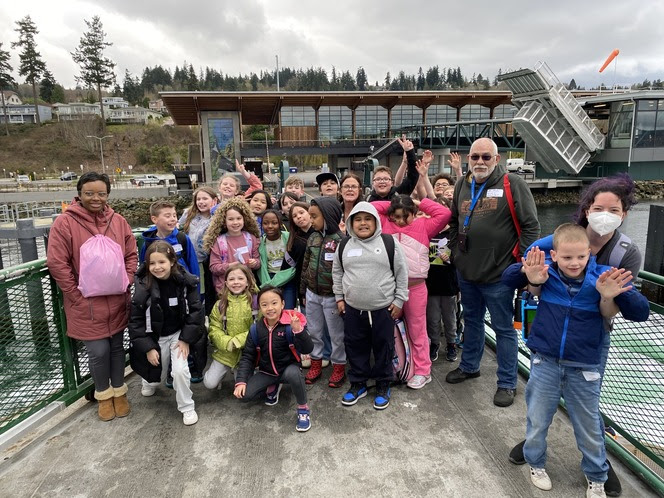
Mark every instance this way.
x=101 y=148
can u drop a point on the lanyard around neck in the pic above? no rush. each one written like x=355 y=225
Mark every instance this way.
x=473 y=202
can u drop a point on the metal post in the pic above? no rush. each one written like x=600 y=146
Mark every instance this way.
x=631 y=136
x=27 y=240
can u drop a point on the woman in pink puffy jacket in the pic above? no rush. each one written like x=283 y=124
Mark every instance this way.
x=97 y=321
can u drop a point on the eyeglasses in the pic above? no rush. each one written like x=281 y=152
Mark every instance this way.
x=350 y=187
x=441 y=184
x=382 y=180
x=485 y=157
x=90 y=195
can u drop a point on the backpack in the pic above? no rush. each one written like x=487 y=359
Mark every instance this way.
x=388 y=241
x=253 y=332
x=402 y=361
x=102 y=269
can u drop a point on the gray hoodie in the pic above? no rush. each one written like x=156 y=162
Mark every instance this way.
x=366 y=282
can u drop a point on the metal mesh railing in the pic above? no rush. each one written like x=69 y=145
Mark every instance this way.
x=31 y=342
x=632 y=399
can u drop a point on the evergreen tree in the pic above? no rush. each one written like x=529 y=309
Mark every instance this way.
x=96 y=70
x=388 y=81
x=6 y=82
x=192 y=80
x=46 y=87
x=31 y=64
x=335 y=84
x=131 y=89
x=420 y=79
x=347 y=81
x=58 y=94
x=432 y=79
x=572 y=85
x=361 y=79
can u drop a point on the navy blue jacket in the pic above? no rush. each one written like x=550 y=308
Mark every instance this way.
x=184 y=249
x=572 y=329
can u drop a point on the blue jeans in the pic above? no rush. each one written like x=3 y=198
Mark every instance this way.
x=499 y=299
x=580 y=386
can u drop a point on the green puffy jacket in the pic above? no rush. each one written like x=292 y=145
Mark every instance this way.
x=233 y=329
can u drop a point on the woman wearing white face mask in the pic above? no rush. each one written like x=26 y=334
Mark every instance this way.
x=602 y=209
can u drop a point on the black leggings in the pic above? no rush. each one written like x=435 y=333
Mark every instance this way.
x=107 y=361
x=258 y=383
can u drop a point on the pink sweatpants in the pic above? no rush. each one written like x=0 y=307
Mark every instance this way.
x=415 y=312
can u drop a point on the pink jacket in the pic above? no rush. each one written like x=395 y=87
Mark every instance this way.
x=90 y=318
x=221 y=257
x=414 y=238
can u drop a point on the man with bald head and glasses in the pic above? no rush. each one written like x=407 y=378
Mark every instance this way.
x=483 y=236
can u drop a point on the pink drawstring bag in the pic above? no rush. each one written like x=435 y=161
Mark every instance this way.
x=102 y=268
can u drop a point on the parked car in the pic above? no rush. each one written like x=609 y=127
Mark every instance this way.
x=68 y=176
x=23 y=179
x=520 y=166
x=147 y=180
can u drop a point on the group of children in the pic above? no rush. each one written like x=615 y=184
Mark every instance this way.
x=351 y=289
x=255 y=266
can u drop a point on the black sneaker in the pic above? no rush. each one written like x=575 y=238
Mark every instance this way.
x=457 y=375
x=451 y=352
x=382 y=399
x=504 y=397
x=433 y=351
x=516 y=455
x=357 y=391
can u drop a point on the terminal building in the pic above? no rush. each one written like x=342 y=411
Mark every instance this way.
x=597 y=136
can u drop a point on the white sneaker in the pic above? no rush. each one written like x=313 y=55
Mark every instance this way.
x=306 y=361
x=540 y=479
x=190 y=417
x=325 y=363
x=147 y=390
x=595 y=489
x=419 y=381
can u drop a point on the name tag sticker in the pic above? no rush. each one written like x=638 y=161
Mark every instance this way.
x=329 y=256
x=172 y=301
x=353 y=253
x=177 y=247
x=494 y=192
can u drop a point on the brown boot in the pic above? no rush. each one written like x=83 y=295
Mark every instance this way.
x=314 y=372
x=120 y=402
x=105 y=410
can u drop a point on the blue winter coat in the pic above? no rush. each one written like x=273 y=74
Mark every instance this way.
x=572 y=328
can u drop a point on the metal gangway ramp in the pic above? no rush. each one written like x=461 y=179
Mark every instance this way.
x=551 y=121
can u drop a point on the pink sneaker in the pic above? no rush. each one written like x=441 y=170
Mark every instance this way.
x=419 y=381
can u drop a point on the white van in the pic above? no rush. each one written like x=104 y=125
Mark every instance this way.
x=23 y=179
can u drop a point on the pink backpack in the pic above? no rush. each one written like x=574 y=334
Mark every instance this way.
x=102 y=268
x=402 y=361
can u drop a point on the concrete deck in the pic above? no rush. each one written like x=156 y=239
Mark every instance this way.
x=444 y=440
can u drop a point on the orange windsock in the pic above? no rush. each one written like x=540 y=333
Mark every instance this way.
x=612 y=56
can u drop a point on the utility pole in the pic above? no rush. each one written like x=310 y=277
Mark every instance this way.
x=101 y=149
x=277 y=57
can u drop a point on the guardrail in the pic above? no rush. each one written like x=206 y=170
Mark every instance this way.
x=39 y=364
x=632 y=400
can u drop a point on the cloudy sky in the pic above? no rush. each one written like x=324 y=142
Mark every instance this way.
x=242 y=36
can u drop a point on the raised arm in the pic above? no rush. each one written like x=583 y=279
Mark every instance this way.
x=408 y=185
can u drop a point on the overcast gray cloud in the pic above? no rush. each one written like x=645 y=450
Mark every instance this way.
x=574 y=38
